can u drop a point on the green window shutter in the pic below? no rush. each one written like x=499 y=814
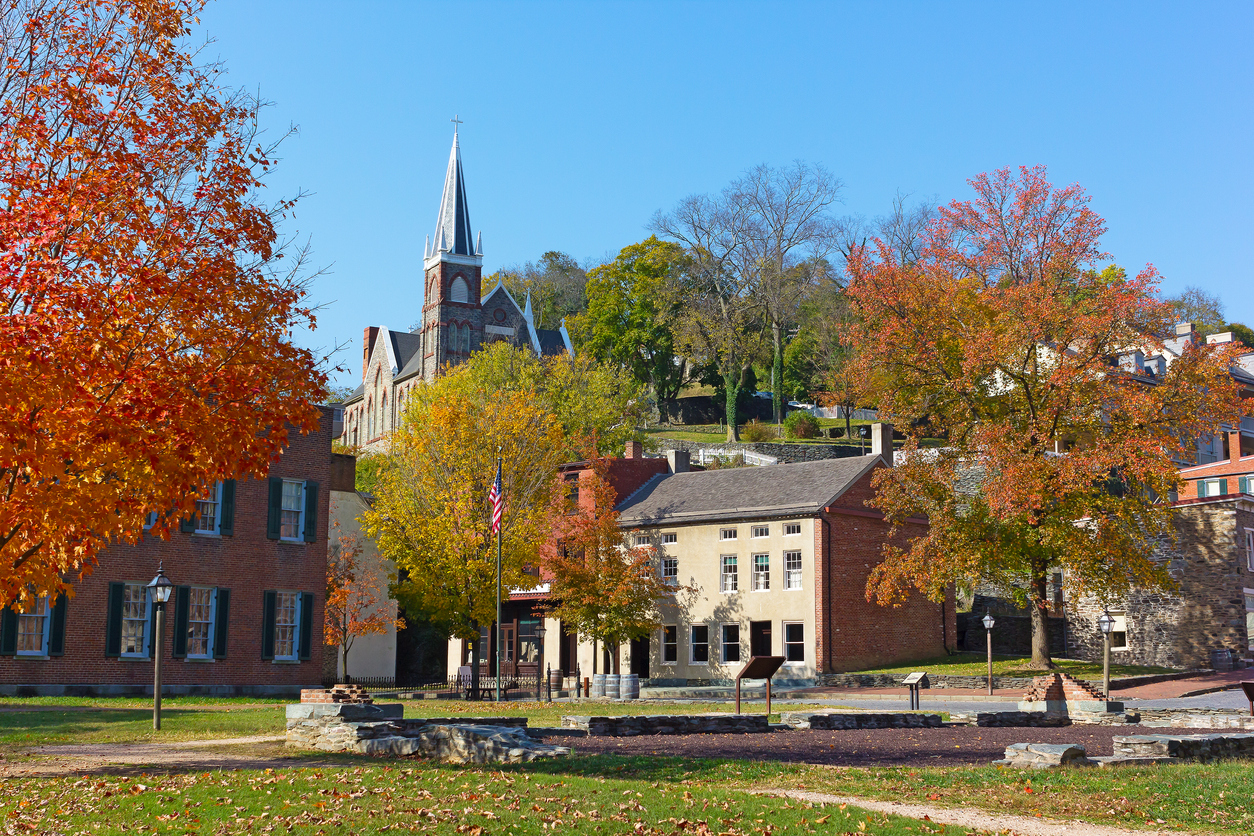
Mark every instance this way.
x=1243 y=484
x=223 y=604
x=306 y=625
x=1223 y=487
x=8 y=632
x=267 y=624
x=56 y=641
x=226 y=511
x=152 y=626
x=187 y=525
x=113 y=620
x=182 y=602
x=1201 y=488
x=274 y=515
x=311 y=511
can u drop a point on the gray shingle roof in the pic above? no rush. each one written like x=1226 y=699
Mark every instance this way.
x=551 y=342
x=780 y=490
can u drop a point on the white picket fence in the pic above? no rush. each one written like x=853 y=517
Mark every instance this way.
x=705 y=456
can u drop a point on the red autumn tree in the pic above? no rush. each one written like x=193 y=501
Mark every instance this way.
x=146 y=316
x=1005 y=337
x=357 y=595
x=604 y=587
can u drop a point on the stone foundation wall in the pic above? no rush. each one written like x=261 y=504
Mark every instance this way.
x=858 y=720
x=668 y=724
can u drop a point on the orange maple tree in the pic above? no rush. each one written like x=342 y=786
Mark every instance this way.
x=357 y=595
x=1012 y=338
x=147 y=312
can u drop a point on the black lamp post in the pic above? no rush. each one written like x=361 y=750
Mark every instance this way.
x=988 y=634
x=1106 y=623
x=159 y=588
x=540 y=631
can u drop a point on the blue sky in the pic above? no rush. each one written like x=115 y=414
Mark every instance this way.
x=582 y=119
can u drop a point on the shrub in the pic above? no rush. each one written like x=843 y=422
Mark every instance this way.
x=755 y=430
x=801 y=424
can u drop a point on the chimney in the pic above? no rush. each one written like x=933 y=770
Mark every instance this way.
x=1217 y=339
x=1184 y=329
x=367 y=345
x=882 y=442
x=635 y=450
x=678 y=460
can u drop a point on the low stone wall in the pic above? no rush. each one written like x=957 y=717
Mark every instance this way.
x=895 y=680
x=1197 y=718
x=1200 y=747
x=858 y=720
x=668 y=724
x=1025 y=719
x=1045 y=755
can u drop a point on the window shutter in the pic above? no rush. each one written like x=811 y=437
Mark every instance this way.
x=1223 y=487
x=274 y=515
x=311 y=511
x=306 y=625
x=187 y=525
x=267 y=621
x=56 y=639
x=182 y=602
x=152 y=625
x=8 y=632
x=1243 y=485
x=113 y=621
x=223 y=603
x=226 y=511
x=1201 y=488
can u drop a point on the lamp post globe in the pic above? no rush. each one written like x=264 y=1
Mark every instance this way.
x=159 y=588
x=988 y=621
x=1105 y=623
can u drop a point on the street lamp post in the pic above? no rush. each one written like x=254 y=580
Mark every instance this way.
x=539 y=660
x=988 y=634
x=159 y=588
x=1105 y=622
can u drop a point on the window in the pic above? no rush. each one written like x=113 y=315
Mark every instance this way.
x=731 y=642
x=286 y=625
x=528 y=644
x=727 y=534
x=729 y=582
x=150 y=520
x=792 y=570
x=641 y=539
x=670 y=571
x=134 y=620
x=1210 y=487
x=794 y=641
x=1119 y=631
x=761 y=531
x=1249 y=549
x=792 y=528
x=669 y=539
x=293 y=510
x=1249 y=617
x=670 y=645
x=572 y=494
x=459 y=291
x=761 y=572
x=699 y=646
x=200 y=608
x=32 y=629
x=207 y=516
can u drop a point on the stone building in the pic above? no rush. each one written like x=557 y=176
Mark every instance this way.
x=457 y=318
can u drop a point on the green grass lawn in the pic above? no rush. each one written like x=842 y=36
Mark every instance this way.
x=134 y=725
x=608 y=796
x=976 y=664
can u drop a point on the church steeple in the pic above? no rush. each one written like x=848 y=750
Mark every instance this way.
x=452 y=226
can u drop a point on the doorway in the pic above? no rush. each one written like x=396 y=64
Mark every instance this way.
x=759 y=638
x=640 y=657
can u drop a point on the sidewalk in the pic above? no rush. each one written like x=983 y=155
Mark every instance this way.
x=1193 y=686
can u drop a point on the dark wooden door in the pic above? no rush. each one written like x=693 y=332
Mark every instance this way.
x=759 y=638
x=640 y=657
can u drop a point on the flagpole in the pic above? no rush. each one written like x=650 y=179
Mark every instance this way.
x=498 y=590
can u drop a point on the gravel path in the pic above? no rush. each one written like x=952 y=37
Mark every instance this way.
x=949 y=746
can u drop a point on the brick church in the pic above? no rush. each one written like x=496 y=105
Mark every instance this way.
x=457 y=318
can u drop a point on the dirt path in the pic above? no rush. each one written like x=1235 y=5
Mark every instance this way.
x=259 y=752
x=993 y=822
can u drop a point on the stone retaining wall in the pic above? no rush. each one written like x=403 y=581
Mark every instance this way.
x=785 y=453
x=858 y=720
x=668 y=724
x=1202 y=747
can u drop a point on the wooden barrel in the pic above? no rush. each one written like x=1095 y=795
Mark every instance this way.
x=629 y=686
x=598 y=685
x=611 y=686
x=1221 y=659
x=555 y=680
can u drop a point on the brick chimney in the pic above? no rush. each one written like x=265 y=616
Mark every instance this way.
x=882 y=442
x=635 y=450
x=367 y=345
x=1184 y=329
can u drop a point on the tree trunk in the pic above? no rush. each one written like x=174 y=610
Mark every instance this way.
x=848 y=422
x=777 y=372
x=594 y=655
x=731 y=383
x=1038 y=607
x=344 y=660
x=614 y=657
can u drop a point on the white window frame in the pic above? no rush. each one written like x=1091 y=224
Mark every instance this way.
x=789 y=577
x=728 y=582
x=670 y=578
x=1207 y=488
x=1249 y=549
x=727 y=533
x=215 y=496
x=663 y=643
x=757 y=532
x=1248 y=594
x=211 y=623
x=723 y=644
x=641 y=540
x=150 y=520
x=786 y=643
x=669 y=539
x=45 y=626
x=791 y=528
x=1120 y=625
x=693 y=644
x=761 y=579
x=297 y=615
x=300 y=519
x=142 y=653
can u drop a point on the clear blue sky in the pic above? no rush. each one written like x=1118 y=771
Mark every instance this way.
x=582 y=119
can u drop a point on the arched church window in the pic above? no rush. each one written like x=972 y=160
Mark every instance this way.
x=466 y=338
x=460 y=291
x=383 y=414
x=369 y=420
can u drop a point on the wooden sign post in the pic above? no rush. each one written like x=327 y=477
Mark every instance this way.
x=759 y=667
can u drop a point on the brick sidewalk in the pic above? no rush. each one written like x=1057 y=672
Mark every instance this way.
x=1182 y=687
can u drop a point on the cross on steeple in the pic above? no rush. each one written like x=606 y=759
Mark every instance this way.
x=455 y=122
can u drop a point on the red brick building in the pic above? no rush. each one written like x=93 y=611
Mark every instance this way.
x=246 y=613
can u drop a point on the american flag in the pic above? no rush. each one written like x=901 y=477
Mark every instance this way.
x=497 y=497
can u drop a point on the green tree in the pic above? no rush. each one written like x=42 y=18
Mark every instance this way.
x=1204 y=310
x=1241 y=333
x=556 y=284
